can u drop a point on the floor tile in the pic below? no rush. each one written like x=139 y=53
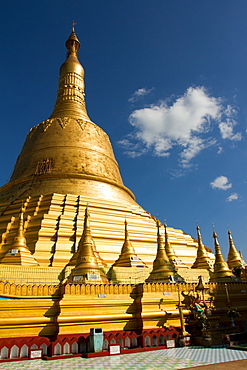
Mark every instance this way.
x=166 y=359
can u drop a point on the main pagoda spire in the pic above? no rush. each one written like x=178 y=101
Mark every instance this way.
x=71 y=96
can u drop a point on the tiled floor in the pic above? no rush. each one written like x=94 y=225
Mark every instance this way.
x=165 y=359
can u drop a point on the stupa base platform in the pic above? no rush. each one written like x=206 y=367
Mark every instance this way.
x=60 y=317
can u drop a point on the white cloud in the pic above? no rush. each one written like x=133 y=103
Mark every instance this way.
x=221 y=182
x=195 y=146
x=138 y=94
x=226 y=130
x=226 y=127
x=133 y=150
x=220 y=150
x=184 y=124
x=233 y=196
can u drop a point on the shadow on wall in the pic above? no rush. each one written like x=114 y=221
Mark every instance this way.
x=51 y=330
x=135 y=309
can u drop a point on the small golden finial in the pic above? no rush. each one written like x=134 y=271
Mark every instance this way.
x=198 y=229
x=72 y=26
x=126 y=228
x=72 y=44
x=214 y=232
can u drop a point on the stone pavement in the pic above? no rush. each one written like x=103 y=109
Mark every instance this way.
x=165 y=359
x=231 y=365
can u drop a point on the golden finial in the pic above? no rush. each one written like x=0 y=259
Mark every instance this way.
x=215 y=236
x=72 y=26
x=198 y=230
x=126 y=234
x=216 y=243
x=72 y=44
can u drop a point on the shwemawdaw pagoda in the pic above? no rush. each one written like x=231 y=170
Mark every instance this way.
x=84 y=269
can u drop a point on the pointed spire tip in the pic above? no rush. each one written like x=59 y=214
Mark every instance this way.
x=73 y=26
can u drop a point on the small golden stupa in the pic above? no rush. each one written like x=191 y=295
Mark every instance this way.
x=163 y=269
x=87 y=269
x=202 y=259
x=19 y=254
x=234 y=259
x=221 y=269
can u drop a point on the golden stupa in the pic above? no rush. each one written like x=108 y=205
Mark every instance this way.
x=234 y=258
x=77 y=250
x=221 y=268
x=67 y=163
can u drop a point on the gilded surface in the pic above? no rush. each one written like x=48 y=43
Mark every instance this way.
x=162 y=266
x=66 y=163
x=202 y=259
x=55 y=226
x=80 y=307
x=75 y=149
x=66 y=166
x=221 y=268
x=234 y=259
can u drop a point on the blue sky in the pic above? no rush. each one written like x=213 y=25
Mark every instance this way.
x=167 y=80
